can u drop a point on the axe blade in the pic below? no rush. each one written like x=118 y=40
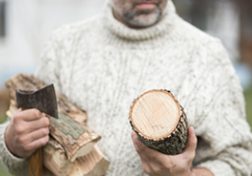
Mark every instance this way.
x=43 y=99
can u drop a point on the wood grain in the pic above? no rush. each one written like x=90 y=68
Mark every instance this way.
x=160 y=121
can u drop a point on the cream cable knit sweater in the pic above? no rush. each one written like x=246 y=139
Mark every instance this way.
x=102 y=66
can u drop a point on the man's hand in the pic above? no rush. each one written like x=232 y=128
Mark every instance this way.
x=157 y=164
x=27 y=131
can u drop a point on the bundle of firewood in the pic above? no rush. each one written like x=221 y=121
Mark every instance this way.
x=72 y=149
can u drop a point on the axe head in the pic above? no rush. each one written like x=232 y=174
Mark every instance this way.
x=43 y=99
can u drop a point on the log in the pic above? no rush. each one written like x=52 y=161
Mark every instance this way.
x=92 y=164
x=160 y=121
x=75 y=138
x=71 y=140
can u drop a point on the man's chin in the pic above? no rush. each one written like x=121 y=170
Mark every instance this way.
x=144 y=20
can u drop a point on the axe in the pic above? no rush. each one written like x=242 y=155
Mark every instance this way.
x=45 y=101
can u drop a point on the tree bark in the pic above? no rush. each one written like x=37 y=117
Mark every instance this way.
x=160 y=121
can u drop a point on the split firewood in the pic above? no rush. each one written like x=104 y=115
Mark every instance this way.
x=72 y=144
x=92 y=164
x=74 y=137
x=160 y=121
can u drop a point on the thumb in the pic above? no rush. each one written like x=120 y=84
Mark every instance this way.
x=192 y=141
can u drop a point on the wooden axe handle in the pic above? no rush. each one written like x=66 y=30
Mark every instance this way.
x=36 y=163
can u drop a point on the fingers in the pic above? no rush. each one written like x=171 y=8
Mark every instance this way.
x=43 y=122
x=38 y=143
x=28 y=115
x=30 y=148
x=27 y=131
x=35 y=135
x=192 y=141
x=143 y=151
x=31 y=142
x=24 y=127
x=139 y=146
x=156 y=163
x=136 y=142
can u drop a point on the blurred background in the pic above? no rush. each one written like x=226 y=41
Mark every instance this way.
x=26 y=24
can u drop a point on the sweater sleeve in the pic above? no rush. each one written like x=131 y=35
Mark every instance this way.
x=16 y=166
x=225 y=128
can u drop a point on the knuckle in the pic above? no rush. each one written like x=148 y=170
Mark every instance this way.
x=17 y=141
x=147 y=171
x=159 y=169
x=156 y=170
x=47 y=139
x=44 y=141
x=169 y=166
x=194 y=142
x=193 y=155
x=36 y=112
x=140 y=148
x=19 y=129
x=46 y=121
x=16 y=118
x=190 y=156
x=21 y=141
x=45 y=131
x=146 y=168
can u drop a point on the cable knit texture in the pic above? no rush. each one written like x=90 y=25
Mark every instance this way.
x=102 y=65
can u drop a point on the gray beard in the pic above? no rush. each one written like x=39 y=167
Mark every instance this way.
x=134 y=19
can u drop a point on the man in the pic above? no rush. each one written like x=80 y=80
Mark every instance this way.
x=104 y=63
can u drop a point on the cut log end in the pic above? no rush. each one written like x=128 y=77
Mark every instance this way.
x=160 y=122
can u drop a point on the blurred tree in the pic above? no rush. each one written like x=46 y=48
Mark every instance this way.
x=2 y=18
x=246 y=30
x=220 y=18
x=231 y=21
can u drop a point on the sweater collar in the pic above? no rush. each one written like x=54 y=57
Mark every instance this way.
x=122 y=31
